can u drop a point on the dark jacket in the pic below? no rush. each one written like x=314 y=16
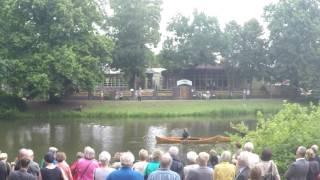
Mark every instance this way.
x=177 y=166
x=21 y=174
x=313 y=169
x=4 y=170
x=244 y=174
x=298 y=170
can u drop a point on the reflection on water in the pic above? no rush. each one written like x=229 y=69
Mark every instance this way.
x=116 y=135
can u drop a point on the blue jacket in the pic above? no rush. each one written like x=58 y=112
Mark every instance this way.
x=125 y=173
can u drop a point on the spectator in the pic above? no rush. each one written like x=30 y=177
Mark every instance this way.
x=243 y=171
x=192 y=163
x=154 y=164
x=213 y=159
x=313 y=165
x=253 y=158
x=267 y=167
x=177 y=165
x=51 y=171
x=203 y=172
x=104 y=170
x=73 y=166
x=164 y=172
x=86 y=166
x=298 y=169
x=125 y=172
x=225 y=170
x=4 y=166
x=141 y=165
x=63 y=165
x=22 y=173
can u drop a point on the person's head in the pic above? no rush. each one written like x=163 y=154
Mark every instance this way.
x=301 y=152
x=30 y=154
x=89 y=153
x=192 y=157
x=104 y=158
x=173 y=151
x=255 y=173
x=315 y=148
x=127 y=159
x=24 y=162
x=156 y=155
x=53 y=150
x=238 y=145
x=248 y=147
x=48 y=158
x=310 y=154
x=225 y=156
x=143 y=155
x=23 y=153
x=3 y=156
x=266 y=155
x=203 y=159
x=79 y=155
x=61 y=156
x=243 y=159
x=165 y=161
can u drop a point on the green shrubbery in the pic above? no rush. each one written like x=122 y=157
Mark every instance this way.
x=10 y=104
x=293 y=126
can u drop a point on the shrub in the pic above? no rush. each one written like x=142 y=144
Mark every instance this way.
x=8 y=102
x=293 y=126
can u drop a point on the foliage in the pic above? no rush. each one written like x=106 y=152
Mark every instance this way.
x=135 y=29
x=293 y=126
x=8 y=102
x=245 y=51
x=192 y=41
x=294 y=42
x=51 y=48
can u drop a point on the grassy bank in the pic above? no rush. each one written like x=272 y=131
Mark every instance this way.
x=159 y=109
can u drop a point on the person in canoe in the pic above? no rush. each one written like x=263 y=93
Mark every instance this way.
x=185 y=134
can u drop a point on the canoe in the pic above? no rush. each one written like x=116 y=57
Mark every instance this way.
x=192 y=140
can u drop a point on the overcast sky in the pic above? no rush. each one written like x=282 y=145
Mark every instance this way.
x=224 y=10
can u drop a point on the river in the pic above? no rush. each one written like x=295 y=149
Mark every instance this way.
x=71 y=136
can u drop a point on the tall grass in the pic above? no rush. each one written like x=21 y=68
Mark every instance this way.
x=163 y=109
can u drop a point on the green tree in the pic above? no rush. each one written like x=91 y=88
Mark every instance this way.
x=52 y=48
x=191 y=41
x=135 y=28
x=294 y=41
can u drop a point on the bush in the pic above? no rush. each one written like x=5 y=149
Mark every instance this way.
x=293 y=126
x=8 y=102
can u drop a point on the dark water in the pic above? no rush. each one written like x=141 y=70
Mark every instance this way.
x=72 y=136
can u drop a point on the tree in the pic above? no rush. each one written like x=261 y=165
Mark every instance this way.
x=52 y=48
x=191 y=42
x=135 y=29
x=294 y=41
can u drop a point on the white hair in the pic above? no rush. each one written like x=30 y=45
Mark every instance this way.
x=315 y=148
x=192 y=156
x=226 y=156
x=89 y=152
x=143 y=154
x=243 y=159
x=126 y=159
x=53 y=149
x=173 y=151
x=165 y=161
x=248 y=146
x=203 y=158
x=30 y=154
x=104 y=157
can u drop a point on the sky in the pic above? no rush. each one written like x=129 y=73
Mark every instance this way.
x=225 y=10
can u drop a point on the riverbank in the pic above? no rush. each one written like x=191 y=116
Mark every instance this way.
x=152 y=108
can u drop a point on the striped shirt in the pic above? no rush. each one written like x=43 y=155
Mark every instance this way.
x=164 y=174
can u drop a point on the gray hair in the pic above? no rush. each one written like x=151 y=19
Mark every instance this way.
x=23 y=153
x=248 y=146
x=301 y=151
x=89 y=153
x=165 y=161
x=203 y=158
x=143 y=154
x=192 y=156
x=126 y=159
x=53 y=149
x=30 y=154
x=243 y=159
x=315 y=148
x=173 y=151
x=104 y=157
x=226 y=156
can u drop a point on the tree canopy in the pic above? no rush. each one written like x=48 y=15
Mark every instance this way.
x=135 y=30
x=51 y=47
x=191 y=41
